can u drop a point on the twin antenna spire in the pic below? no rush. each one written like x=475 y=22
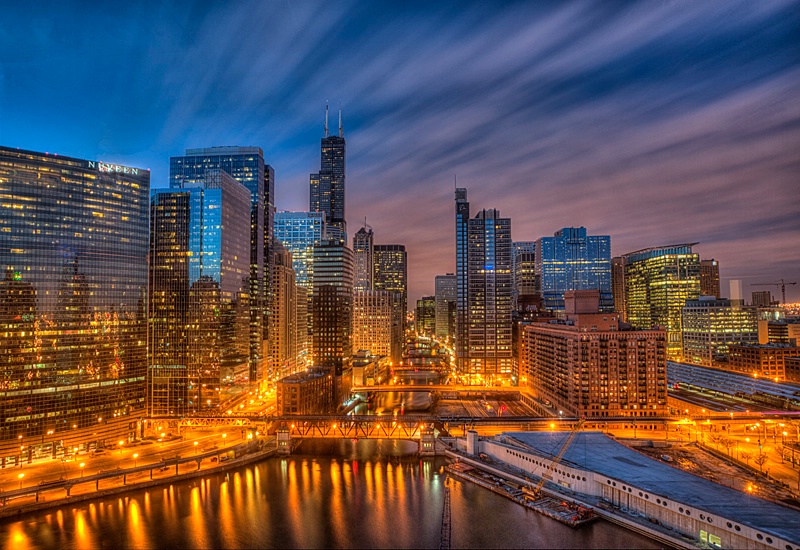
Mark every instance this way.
x=341 y=130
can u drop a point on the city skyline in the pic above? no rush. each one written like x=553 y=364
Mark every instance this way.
x=560 y=115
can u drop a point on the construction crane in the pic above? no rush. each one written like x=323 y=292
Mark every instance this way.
x=557 y=460
x=781 y=284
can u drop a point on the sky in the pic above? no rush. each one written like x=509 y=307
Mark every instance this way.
x=654 y=122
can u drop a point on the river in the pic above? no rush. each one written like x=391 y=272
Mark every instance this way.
x=331 y=494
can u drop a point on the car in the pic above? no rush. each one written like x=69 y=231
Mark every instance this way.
x=666 y=458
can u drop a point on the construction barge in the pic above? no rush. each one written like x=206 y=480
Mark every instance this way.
x=562 y=511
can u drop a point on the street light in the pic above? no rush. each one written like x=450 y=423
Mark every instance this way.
x=195 y=447
x=135 y=456
x=82 y=465
x=20 y=476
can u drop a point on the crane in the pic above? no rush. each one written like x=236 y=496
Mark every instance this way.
x=781 y=284
x=536 y=491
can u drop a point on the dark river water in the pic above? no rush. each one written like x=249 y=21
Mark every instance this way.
x=330 y=494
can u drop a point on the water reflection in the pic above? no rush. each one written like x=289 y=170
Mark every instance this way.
x=337 y=494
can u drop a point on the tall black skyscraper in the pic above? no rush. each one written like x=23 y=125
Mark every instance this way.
x=327 y=186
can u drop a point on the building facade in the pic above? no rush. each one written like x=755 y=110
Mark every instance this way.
x=618 y=286
x=489 y=330
x=372 y=322
x=445 y=288
x=311 y=391
x=761 y=298
x=425 y=316
x=587 y=367
x=709 y=326
x=524 y=273
x=327 y=187
x=709 y=278
x=765 y=360
x=199 y=302
x=73 y=286
x=390 y=273
x=362 y=252
x=246 y=165
x=658 y=282
x=573 y=260
x=284 y=329
x=332 y=306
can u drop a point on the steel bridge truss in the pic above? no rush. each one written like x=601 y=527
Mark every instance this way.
x=355 y=427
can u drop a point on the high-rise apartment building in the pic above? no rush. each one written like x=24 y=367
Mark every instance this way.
x=658 y=282
x=425 y=316
x=709 y=278
x=332 y=306
x=73 y=286
x=372 y=322
x=573 y=260
x=445 y=288
x=199 y=300
x=761 y=298
x=327 y=187
x=710 y=326
x=618 y=286
x=390 y=273
x=587 y=367
x=362 y=252
x=246 y=165
x=484 y=262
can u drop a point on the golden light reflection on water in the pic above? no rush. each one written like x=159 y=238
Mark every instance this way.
x=83 y=535
x=137 y=529
x=17 y=539
x=197 y=521
x=227 y=521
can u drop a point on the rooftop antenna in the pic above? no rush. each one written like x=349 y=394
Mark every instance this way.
x=341 y=131
x=326 y=119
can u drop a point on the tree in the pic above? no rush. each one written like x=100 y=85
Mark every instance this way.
x=728 y=443
x=761 y=459
x=747 y=456
x=715 y=439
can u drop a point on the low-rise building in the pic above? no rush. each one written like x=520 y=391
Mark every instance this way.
x=762 y=359
x=308 y=392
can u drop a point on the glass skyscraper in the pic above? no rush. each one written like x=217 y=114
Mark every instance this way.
x=246 y=165
x=73 y=351
x=573 y=260
x=658 y=282
x=363 y=251
x=199 y=329
x=299 y=232
x=390 y=273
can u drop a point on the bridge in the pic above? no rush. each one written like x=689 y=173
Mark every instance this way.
x=356 y=426
x=455 y=388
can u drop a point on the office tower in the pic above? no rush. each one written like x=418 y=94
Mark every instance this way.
x=362 y=252
x=372 y=322
x=390 y=273
x=299 y=232
x=73 y=327
x=426 y=315
x=199 y=302
x=328 y=185
x=709 y=326
x=587 y=367
x=573 y=260
x=737 y=296
x=618 y=286
x=283 y=341
x=709 y=278
x=302 y=322
x=762 y=298
x=462 y=280
x=483 y=292
x=658 y=281
x=445 y=287
x=246 y=165
x=524 y=274
x=332 y=306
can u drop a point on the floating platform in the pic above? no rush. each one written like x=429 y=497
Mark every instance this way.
x=562 y=511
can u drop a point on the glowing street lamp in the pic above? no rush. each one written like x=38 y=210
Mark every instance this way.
x=135 y=456
x=20 y=476
x=82 y=465
x=195 y=447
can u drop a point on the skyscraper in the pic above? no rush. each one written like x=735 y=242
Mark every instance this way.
x=573 y=260
x=372 y=322
x=199 y=300
x=283 y=341
x=299 y=232
x=73 y=351
x=618 y=286
x=709 y=278
x=425 y=315
x=658 y=281
x=327 y=187
x=362 y=251
x=489 y=328
x=484 y=259
x=709 y=326
x=246 y=165
x=445 y=287
x=524 y=274
x=332 y=306
x=390 y=273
